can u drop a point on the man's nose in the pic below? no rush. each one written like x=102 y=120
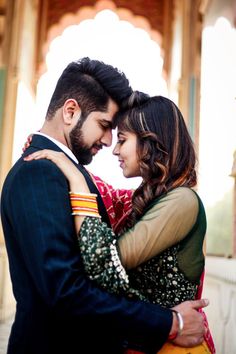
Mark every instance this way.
x=107 y=138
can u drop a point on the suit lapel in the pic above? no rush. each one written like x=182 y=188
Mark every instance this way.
x=40 y=142
x=93 y=189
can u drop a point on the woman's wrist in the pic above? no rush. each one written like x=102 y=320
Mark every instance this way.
x=78 y=182
x=79 y=185
x=84 y=204
x=79 y=188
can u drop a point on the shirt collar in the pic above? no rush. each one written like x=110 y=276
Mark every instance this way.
x=63 y=147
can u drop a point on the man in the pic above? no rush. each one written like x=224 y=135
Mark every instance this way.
x=58 y=308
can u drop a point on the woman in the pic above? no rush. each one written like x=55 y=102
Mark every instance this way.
x=158 y=255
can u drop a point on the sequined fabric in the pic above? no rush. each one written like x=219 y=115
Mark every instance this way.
x=98 y=246
x=158 y=281
x=161 y=281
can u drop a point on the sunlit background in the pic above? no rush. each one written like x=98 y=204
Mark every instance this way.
x=218 y=110
x=218 y=133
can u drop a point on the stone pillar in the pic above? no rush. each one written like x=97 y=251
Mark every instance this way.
x=7 y=301
x=186 y=63
x=13 y=29
x=19 y=65
x=233 y=174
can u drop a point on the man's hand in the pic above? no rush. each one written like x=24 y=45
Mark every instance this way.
x=193 y=329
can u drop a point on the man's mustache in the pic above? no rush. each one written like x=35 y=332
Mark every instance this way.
x=97 y=146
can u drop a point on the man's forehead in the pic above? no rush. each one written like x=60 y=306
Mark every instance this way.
x=103 y=118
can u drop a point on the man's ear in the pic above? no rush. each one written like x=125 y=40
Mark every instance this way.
x=71 y=110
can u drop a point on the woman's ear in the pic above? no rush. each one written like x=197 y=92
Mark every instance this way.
x=71 y=110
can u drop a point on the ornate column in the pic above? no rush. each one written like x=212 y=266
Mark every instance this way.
x=184 y=79
x=18 y=64
x=233 y=174
x=10 y=49
x=189 y=83
x=14 y=14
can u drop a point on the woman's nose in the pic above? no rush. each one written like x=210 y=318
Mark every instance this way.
x=116 y=150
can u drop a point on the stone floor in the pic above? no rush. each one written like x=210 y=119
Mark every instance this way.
x=4 y=334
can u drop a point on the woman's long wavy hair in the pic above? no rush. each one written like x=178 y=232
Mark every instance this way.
x=164 y=146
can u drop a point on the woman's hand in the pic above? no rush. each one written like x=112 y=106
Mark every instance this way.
x=27 y=143
x=76 y=179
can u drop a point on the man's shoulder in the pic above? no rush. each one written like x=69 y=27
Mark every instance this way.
x=34 y=168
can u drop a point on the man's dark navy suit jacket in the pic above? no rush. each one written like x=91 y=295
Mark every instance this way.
x=60 y=311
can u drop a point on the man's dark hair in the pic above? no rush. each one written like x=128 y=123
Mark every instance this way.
x=91 y=83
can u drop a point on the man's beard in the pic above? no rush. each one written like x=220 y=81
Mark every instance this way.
x=80 y=150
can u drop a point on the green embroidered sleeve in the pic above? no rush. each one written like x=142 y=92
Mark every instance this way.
x=101 y=260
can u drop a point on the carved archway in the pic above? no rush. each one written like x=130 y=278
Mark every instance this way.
x=89 y=12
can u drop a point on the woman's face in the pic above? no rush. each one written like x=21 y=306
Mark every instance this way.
x=126 y=150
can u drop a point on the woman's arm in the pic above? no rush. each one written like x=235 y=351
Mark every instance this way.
x=165 y=224
x=162 y=226
x=97 y=241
